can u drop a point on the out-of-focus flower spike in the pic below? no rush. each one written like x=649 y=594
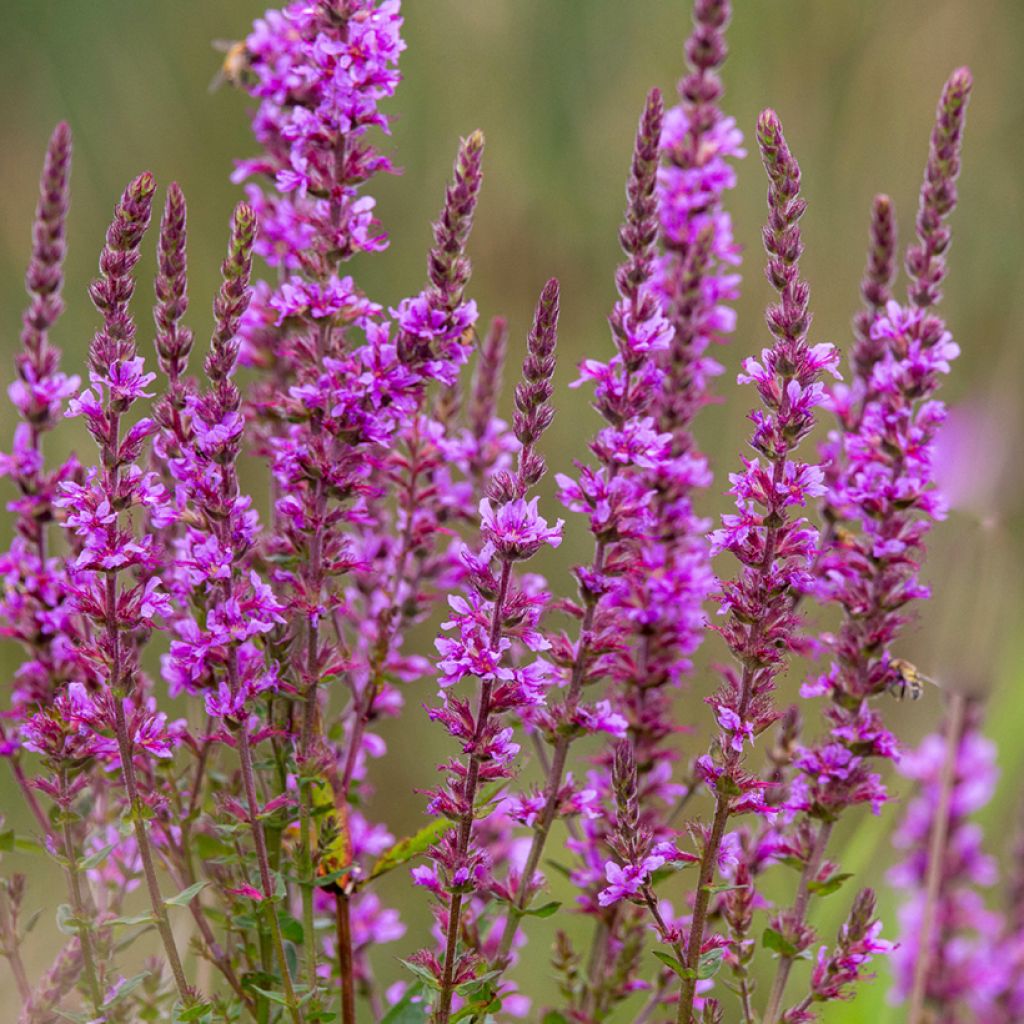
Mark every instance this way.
x=173 y=338
x=233 y=297
x=448 y=265
x=876 y=285
x=640 y=230
x=112 y=290
x=789 y=319
x=534 y=411
x=950 y=954
x=44 y=278
x=926 y=258
x=55 y=984
x=483 y=397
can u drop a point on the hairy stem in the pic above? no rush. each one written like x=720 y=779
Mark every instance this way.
x=266 y=882
x=709 y=856
x=442 y=1010
x=163 y=924
x=84 y=924
x=346 y=970
x=10 y=948
x=803 y=898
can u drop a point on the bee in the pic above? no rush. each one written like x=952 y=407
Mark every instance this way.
x=236 y=66
x=909 y=681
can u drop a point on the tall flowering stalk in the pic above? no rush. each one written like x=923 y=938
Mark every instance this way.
x=775 y=548
x=672 y=576
x=694 y=281
x=35 y=610
x=35 y=605
x=614 y=497
x=496 y=614
x=118 y=488
x=879 y=504
x=220 y=658
x=659 y=596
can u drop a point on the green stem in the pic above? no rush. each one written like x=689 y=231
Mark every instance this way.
x=163 y=923
x=803 y=898
x=78 y=908
x=443 y=1006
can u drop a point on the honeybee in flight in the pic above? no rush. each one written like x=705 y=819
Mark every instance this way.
x=909 y=681
x=236 y=64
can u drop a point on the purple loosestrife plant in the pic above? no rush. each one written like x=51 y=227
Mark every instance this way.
x=397 y=502
x=499 y=613
x=616 y=499
x=878 y=506
x=774 y=547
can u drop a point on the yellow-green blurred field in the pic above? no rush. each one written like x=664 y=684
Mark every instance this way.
x=557 y=86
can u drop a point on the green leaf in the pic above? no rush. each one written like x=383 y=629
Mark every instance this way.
x=292 y=957
x=7 y=840
x=74 y=1018
x=421 y=972
x=669 y=870
x=405 y=1011
x=828 y=886
x=66 y=920
x=727 y=786
x=546 y=910
x=471 y=1012
x=25 y=845
x=199 y=1012
x=554 y=1017
x=186 y=896
x=560 y=868
x=274 y=997
x=147 y=918
x=774 y=940
x=723 y=887
x=709 y=963
x=291 y=929
x=94 y=860
x=474 y=985
x=670 y=961
x=322 y=881
x=209 y=847
x=411 y=846
x=321 y=1016
x=32 y=921
x=129 y=986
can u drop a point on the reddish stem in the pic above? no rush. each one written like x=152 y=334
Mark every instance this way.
x=442 y=1011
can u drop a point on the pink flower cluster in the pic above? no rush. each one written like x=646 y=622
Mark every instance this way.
x=395 y=502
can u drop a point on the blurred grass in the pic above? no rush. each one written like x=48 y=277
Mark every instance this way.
x=557 y=88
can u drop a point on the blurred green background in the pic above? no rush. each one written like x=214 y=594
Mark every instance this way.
x=556 y=87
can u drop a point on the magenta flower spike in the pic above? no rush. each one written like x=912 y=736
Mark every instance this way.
x=925 y=262
x=484 y=625
x=775 y=548
x=39 y=394
x=879 y=504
